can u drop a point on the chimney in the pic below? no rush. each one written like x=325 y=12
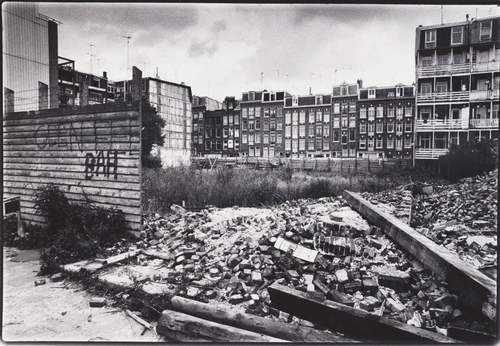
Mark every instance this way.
x=105 y=75
x=360 y=83
x=310 y=92
x=467 y=17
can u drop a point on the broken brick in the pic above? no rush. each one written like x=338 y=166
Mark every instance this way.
x=97 y=302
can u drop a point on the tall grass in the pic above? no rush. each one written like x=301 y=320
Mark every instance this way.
x=225 y=187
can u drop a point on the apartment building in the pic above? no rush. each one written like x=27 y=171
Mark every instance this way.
x=99 y=89
x=457 y=74
x=172 y=102
x=262 y=123
x=385 y=126
x=201 y=104
x=344 y=119
x=30 y=58
x=307 y=127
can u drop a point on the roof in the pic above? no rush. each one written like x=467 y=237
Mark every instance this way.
x=445 y=25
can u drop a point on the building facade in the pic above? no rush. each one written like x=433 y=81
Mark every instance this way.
x=30 y=58
x=201 y=104
x=172 y=102
x=385 y=126
x=262 y=123
x=344 y=120
x=71 y=82
x=457 y=74
x=307 y=128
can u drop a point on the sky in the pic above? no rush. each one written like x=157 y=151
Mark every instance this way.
x=225 y=49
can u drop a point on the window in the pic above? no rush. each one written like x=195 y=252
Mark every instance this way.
x=310 y=144
x=344 y=121
x=295 y=131
x=430 y=38
x=399 y=127
x=326 y=144
x=408 y=142
x=336 y=108
x=272 y=138
x=279 y=124
x=278 y=138
x=426 y=88
x=345 y=107
x=302 y=130
x=251 y=112
x=326 y=118
x=236 y=119
x=352 y=107
x=379 y=143
x=311 y=131
x=336 y=134
x=370 y=143
x=379 y=127
x=362 y=128
x=311 y=117
x=408 y=111
x=302 y=117
x=443 y=59
x=380 y=111
x=336 y=123
x=426 y=60
x=390 y=111
x=352 y=135
x=408 y=127
x=362 y=143
x=257 y=112
x=399 y=143
x=319 y=100
x=319 y=130
x=288 y=131
x=399 y=91
x=251 y=125
x=244 y=112
x=273 y=125
x=257 y=124
x=226 y=133
x=371 y=128
x=371 y=93
x=266 y=124
x=326 y=131
x=288 y=117
x=266 y=112
x=257 y=138
x=441 y=87
x=389 y=142
x=295 y=117
x=399 y=112
x=224 y=122
x=458 y=57
x=319 y=116
x=302 y=144
x=295 y=146
x=390 y=127
x=352 y=122
x=371 y=113
x=485 y=31
x=344 y=139
x=244 y=124
x=457 y=35
x=362 y=112
x=266 y=138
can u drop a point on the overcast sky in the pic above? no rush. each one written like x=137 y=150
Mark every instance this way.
x=221 y=49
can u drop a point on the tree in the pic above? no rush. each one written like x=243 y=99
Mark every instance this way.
x=152 y=125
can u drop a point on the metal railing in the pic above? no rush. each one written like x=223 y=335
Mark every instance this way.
x=436 y=70
x=483 y=94
x=429 y=153
x=438 y=124
x=490 y=66
x=444 y=96
x=486 y=123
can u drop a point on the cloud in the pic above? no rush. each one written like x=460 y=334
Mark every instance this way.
x=199 y=48
x=219 y=26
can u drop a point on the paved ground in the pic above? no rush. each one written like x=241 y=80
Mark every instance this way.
x=53 y=313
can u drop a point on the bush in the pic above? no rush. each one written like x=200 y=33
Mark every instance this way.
x=73 y=231
x=468 y=159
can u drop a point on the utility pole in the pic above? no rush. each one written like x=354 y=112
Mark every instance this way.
x=127 y=37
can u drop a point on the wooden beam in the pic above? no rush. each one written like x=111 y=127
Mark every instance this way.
x=475 y=290
x=182 y=327
x=254 y=323
x=351 y=321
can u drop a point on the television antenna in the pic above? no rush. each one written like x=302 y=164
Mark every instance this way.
x=127 y=37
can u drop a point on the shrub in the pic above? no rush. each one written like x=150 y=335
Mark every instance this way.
x=73 y=231
x=468 y=159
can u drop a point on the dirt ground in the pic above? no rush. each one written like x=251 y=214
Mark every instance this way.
x=51 y=312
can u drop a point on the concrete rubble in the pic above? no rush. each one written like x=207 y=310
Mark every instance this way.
x=461 y=217
x=229 y=256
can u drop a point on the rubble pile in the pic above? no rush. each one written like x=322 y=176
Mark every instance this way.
x=461 y=217
x=322 y=247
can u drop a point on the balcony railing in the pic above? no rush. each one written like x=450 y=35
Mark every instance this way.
x=444 y=97
x=490 y=66
x=439 y=70
x=429 y=153
x=483 y=95
x=437 y=124
x=483 y=123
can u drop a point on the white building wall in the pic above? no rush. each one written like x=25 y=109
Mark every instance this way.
x=25 y=53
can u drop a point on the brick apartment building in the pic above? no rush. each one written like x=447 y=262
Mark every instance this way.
x=201 y=104
x=344 y=120
x=457 y=74
x=385 y=123
x=307 y=129
x=262 y=123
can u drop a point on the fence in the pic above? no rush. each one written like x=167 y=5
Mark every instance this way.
x=91 y=153
x=342 y=166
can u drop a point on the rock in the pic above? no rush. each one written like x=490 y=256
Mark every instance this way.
x=211 y=294
x=342 y=275
x=40 y=282
x=393 y=278
x=236 y=299
x=57 y=277
x=369 y=303
x=394 y=305
x=256 y=278
x=97 y=302
x=192 y=292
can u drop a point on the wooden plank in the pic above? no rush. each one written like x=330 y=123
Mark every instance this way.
x=63 y=154
x=66 y=119
x=23 y=129
x=351 y=321
x=89 y=147
x=125 y=175
x=50 y=167
x=83 y=132
x=254 y=323
x=75 y=182
x=30 y=215
x=473 y=288
x=182 y=327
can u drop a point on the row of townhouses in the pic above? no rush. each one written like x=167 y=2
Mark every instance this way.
x=455 y=98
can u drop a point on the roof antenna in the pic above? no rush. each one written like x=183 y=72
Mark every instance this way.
x=441 y=14
x=157 y=76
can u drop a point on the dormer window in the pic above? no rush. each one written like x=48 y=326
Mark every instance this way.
x=295 y=101
x=457 y=35
x=319 y=100
x=371 y=93
x=430 y=38
x=251 y=96
x=344 y=90
x=399 y=91
x=485 y=31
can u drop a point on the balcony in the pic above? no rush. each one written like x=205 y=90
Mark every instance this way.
x=490 y=66
x=429 y=153
x=478 y=95
x=440 y=70
x=443 y=97
x=483 y=123
x=438 y=124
